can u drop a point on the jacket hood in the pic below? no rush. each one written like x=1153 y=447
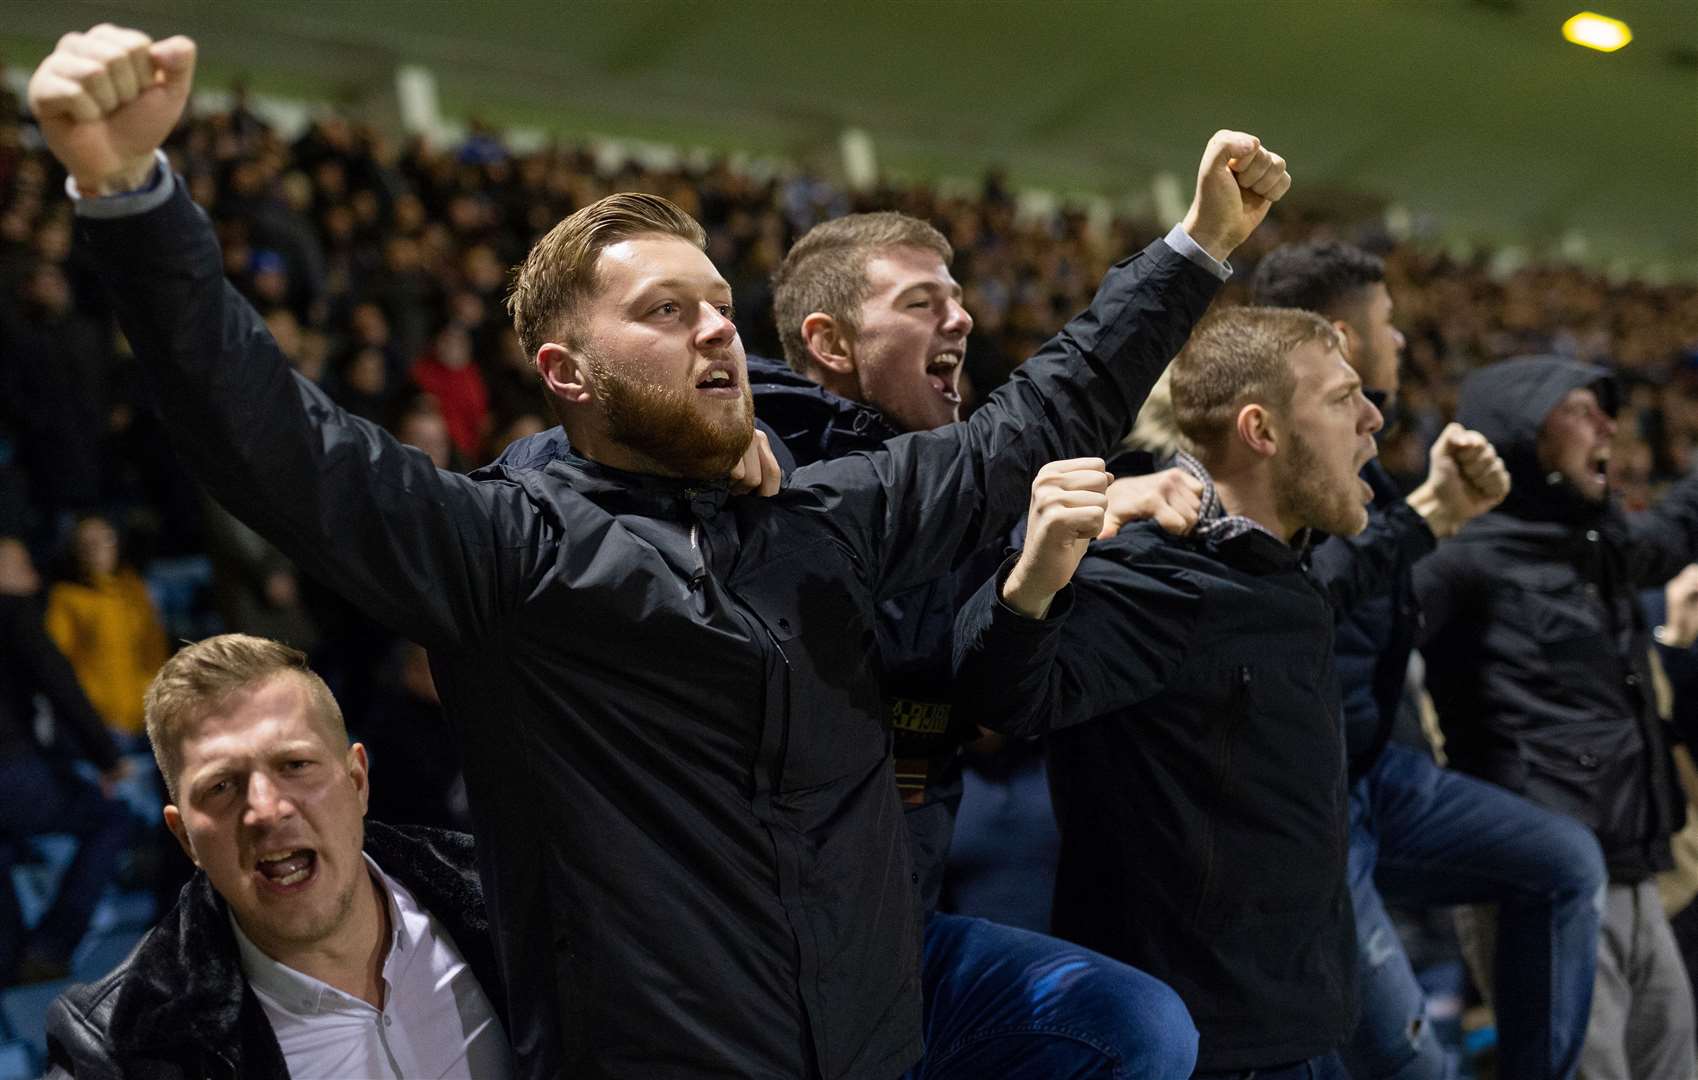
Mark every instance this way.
x=1508 y=402
x=813 y=422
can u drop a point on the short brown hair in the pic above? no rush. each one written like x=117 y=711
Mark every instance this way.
x=561 y=267
x=1237 y=357
x=826 y=271
x=204 y=675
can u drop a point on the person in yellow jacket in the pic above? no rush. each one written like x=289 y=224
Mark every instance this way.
x=104 y=622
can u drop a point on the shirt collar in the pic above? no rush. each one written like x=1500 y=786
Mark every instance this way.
x=1213 y=521
x=304 y=995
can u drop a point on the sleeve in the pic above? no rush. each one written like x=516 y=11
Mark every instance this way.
x=55 y=680
x=927 y=501
x=1355 y=568
x=433 y=555
x=1664 y=539
x=1112 y=638
x=1444 y=589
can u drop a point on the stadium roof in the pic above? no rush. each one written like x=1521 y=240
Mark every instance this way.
x=1473 y=112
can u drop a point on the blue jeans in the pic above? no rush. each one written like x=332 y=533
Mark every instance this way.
x=1424 y=836
x=35 y=798
x=1011 y=1004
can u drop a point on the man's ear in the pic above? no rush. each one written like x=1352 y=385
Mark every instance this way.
x=563 y=374
x=828 y=346
x=174 y=822
x=359 y=770
x=1349 y=336
x=1256 y=430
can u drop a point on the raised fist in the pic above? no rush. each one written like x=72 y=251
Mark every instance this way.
x=1069 y=506
x=1465 y=478
x=1172 y=498
x=106 y=100
x=1238 y=180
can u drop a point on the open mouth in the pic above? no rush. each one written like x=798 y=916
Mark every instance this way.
x=720 y=381
x=943 y=372
x=285 y=871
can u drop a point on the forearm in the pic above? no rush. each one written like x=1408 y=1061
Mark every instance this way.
x=1007 y=668
x=340 y=497
x=1353 y=568
x=949 y=492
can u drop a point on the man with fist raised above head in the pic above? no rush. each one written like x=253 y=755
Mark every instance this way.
x=675 y=750
x=1188 y=691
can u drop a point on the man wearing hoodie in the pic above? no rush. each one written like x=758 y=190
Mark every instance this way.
x=1421 y=835
x=1538 y=661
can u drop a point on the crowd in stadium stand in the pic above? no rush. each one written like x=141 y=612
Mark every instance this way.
x=381 y=266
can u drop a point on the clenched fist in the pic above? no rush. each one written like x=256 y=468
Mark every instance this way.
x=1172 y=498
x=1465 y=478
x=107 y=99
x=1069 y=506
x=1238 y=181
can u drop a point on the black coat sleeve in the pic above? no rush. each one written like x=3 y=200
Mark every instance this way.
x=928 y=501
x=431 y=554
x=1354 y=568
x=1112 y=639
x=1664 y=539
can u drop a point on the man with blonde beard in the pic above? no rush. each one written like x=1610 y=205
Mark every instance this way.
x=1188 y=688
x=675 y=749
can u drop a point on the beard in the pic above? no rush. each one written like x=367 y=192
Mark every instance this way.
x=1302 y=493
x=665 y=426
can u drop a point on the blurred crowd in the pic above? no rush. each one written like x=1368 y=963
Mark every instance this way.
x=380 y=265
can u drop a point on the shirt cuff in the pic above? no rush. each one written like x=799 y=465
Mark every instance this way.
x=150 y=196
x=1180 y=240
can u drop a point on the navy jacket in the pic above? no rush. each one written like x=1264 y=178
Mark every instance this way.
x=675 y=745
x=1376 y=636
x=1537 y=651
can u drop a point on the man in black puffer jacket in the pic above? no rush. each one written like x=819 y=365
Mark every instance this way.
x=1538 y=661
x=306 y=945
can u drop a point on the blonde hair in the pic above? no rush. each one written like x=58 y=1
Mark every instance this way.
x=1237 y=357
x=560 y=270
x=204 y=675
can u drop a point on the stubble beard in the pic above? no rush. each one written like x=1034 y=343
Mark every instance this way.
x=664 y=425
x=1302 y=494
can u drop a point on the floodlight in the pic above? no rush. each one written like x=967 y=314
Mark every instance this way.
x=1594 y=31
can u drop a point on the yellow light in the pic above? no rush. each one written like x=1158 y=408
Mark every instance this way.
x=1596 y=31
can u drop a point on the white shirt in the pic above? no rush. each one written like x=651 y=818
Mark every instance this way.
x=435 y=1020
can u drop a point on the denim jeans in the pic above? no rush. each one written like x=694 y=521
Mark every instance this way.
x=37 y=797
x=1424 y=836
x=1011 y=1004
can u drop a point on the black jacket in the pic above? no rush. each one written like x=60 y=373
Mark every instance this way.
x=179 y=1007
x=914 y=630
x=31 y=664
x=675 y=750
x=1537 y=654
x=1202 y=807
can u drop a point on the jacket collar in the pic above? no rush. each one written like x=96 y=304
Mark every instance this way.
x=184 y=981
x=1235 y=539
x=815 y=423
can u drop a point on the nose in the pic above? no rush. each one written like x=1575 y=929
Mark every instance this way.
x=1372 y=420
x=1397 y=336
x=267 y=805
x=956 y=320
x=714 y=330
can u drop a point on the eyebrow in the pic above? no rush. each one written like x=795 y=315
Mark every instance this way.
x=954 y=288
